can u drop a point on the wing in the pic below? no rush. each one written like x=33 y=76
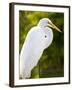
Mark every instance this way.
x=30 y=54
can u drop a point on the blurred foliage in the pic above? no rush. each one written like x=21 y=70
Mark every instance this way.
x=51 y=63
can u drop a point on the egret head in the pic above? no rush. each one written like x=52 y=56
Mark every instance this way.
x=46 y=22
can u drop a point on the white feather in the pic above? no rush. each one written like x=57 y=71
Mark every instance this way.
x=38 y=39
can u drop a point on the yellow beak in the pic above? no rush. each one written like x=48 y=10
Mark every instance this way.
x=51 y=25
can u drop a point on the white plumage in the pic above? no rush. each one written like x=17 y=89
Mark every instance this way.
x=38 y=39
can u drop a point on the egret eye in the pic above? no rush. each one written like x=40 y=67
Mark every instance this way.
x=45 y=36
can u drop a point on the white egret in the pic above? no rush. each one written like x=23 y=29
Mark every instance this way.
x=38 y=39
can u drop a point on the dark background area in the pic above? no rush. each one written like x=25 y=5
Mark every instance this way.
x=51 y=64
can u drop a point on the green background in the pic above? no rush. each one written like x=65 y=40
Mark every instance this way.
x=51 y=64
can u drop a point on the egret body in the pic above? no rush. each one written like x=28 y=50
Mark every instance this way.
x=38 y=38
